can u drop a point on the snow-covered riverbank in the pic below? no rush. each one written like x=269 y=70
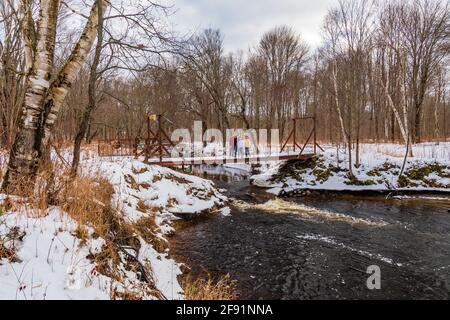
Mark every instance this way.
x=48 y=254
x=379 y=169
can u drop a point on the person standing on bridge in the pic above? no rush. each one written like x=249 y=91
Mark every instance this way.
x=241 y=146
x=248 y=145
x=235 y=145
x=231 y=145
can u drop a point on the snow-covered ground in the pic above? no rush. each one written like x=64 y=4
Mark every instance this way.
x=381 y=164
x=42 y=257
x=164 y=190
x=50 y=262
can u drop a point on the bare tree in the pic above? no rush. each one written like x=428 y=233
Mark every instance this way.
x=349 y=29
x=284 y=53
x=240 y=89
x=92 y=95
x=425 y=28
x=393 y=68
x=206 y=60
x=11 y=75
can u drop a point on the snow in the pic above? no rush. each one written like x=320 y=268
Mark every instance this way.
x=52 y=263
x=165 y=271
x=165 y=190
x=168 y=191
x=373 y=157
x=238 y=166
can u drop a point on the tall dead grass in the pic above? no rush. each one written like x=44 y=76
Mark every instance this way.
x=88 y=201
x=206 y=288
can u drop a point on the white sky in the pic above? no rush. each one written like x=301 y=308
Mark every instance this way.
x=243 y=22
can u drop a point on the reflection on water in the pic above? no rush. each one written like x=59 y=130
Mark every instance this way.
x=320 y=248
x=220 y=173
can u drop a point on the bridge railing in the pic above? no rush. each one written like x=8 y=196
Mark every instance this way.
x=157 y=144
x=311 y=139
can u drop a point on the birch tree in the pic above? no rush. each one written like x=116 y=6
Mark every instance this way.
x=46 y=88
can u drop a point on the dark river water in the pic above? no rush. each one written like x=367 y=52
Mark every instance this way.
x=320 y=247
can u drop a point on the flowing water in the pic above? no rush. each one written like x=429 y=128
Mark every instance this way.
x=320 y=247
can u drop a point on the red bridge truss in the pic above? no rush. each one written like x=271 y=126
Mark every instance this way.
x=157 y=147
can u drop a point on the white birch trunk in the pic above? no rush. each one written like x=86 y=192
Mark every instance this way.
x=338 y=108
x=25 y=7
x=341 y=121
x=69 y=72
x=44 y=99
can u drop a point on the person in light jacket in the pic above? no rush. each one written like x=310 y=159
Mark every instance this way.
x=241 y=146
x=248 y=145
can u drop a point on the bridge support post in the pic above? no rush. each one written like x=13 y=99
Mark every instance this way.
x=147 y=142
x=295 y=134
x=315 y=135
x=160 y=138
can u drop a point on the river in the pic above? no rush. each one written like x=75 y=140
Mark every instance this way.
x=320 y=247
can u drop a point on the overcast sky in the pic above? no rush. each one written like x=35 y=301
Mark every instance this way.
x=243 y=22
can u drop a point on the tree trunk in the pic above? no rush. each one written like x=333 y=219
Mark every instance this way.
x=26 y=153
x=44 y=99
x=84 y=125
x=417 y=123
x=345 y=134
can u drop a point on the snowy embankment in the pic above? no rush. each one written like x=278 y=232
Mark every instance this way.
x=141 y=188
x=42 y=258
x=48 y=254
x=380 y=166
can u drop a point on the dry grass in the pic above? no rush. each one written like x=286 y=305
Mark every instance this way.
x=88 y=201
x=7 y=253
x=8 y=242
x=223 y=288
x=139 y=171
x=147 y=228
x=142 y=206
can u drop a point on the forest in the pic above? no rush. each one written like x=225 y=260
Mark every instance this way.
x=380 y=74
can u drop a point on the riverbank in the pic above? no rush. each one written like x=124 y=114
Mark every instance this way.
x=105 y=235
x=378 y=172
